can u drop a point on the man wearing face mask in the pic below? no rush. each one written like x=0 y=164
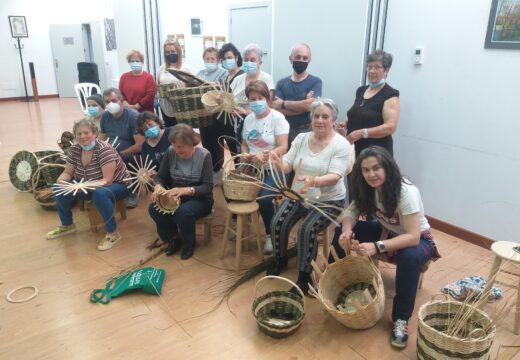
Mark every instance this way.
x=137 y=86
x=295 y=93
x=118 y=123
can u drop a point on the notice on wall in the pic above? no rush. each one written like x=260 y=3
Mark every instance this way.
x=220 y=41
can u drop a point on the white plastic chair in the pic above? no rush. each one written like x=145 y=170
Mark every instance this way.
x=83 y=91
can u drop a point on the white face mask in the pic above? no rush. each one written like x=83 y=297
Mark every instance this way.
x=113 y=108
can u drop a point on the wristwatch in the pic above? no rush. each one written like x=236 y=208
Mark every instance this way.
x=381 y=246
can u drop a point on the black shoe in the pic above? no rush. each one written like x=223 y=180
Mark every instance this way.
x=304 y=278
x=187 y=252
x=276 y=267
x=173 y=246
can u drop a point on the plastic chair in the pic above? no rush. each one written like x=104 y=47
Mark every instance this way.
x=83 y=91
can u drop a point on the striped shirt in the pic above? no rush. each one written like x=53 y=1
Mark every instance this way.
x=103 y=154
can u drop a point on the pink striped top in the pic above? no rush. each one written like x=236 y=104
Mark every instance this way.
x=103 y=154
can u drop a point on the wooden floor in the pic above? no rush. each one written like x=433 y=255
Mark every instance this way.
x=61 y=322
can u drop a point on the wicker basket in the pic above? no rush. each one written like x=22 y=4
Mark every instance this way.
x=278 y=313
x=242 y=183
x=433 y=343
x=351 y=275
x=51 y=165
x=187 y=102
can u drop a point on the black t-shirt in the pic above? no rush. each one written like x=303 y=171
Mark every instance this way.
x=368 y=113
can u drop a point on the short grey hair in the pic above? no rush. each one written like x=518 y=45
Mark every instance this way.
x=114 y=90
x=253 y=48
x=381 y=55
x=90 y=124
x=325 y=102
x=297 y=46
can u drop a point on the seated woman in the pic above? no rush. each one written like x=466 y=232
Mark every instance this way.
x=265 y=131
x=320 y=158
x=401 y=230
x=92 y=159
x=156 y=144
x=186 y=171
x=95 y=108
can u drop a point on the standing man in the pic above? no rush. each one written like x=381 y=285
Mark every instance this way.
x=119 y=121
x=295 y=94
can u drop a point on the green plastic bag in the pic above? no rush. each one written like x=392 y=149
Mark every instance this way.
x=147 y=279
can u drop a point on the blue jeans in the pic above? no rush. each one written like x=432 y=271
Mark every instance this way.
x=408 y=263
x=182 y=221
x=267 y=204
x=103 y=198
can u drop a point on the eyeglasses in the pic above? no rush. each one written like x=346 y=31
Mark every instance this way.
x=374 y=67
x=170 y=52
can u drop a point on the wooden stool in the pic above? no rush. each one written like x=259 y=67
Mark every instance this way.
x=95 y=217
x=244 y=211
x=206 y=221
x=509 y=251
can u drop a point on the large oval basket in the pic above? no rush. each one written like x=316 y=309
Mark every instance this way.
x=278 y=313
x=352 y=291
x=434 y=343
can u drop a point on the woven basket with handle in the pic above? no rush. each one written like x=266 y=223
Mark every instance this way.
x=242 y=183
x=186 y=101
x=278 y=313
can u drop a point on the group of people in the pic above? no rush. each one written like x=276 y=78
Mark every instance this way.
x=286 y=128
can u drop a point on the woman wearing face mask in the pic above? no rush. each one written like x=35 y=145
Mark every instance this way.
x=231 y=61
x=265 y=131
x=156 y=144
x=137 y=86
x=374 y=116
x=92 y=159
x=252 y=56
x=172 y=58
x=212 y=72
x=95 y=108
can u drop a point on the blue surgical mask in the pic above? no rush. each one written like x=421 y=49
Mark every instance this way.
x=249 y=67
x=93 y=111
x=136 y=66
x=89 y=146
x=210 y=67
x=152 y=132
x=229 y=64
x=258 y=106
x=376 y=84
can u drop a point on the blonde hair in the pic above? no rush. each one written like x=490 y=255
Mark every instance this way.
x=178 y=49
x=135 y=52
x=90 y=124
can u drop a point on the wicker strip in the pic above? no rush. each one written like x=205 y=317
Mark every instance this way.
x=433 y=343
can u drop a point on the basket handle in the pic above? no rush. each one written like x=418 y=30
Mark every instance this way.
x=283 y=279
x=186 y=77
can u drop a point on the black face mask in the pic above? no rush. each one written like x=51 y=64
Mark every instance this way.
x=299 y=66
x=172 y=58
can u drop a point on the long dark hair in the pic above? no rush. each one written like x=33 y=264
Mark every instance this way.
x=363 y=194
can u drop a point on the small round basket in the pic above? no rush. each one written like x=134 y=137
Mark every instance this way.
x=433 y=342
x=352 y=291
x=278 y=313
x=166 y=204
x=242 y=183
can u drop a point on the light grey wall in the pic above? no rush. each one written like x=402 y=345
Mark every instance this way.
x=335 y=31
x=458 y=133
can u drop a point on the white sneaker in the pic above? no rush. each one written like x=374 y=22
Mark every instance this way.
x=268 y=246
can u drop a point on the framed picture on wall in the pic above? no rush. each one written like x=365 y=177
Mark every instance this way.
x=196 y=27
x=18 y=26
x=504 y=25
